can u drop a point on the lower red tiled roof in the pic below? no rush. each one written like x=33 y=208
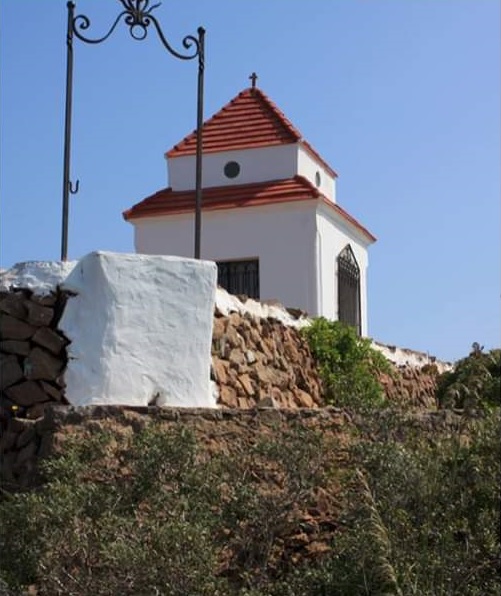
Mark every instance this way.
x=170 y=202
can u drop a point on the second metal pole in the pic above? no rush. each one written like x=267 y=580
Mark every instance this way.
x=200 y=122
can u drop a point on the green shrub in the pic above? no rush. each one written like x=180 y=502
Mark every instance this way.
x=151 y=513
x=349 y=365
x=438 y=506
x=474 y=383
x=92 y=531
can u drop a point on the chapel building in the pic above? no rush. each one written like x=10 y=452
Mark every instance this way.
x=270 y=218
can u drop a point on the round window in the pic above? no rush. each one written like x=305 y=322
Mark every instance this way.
x=232 y=169
x=318 y=179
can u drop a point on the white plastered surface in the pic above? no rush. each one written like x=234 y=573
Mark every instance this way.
x=41 y=277
x=141 y=329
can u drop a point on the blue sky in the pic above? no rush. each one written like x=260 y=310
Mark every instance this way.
x=400 y=97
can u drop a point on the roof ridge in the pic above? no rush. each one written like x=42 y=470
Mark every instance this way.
x=282 y=131
x=277 y=111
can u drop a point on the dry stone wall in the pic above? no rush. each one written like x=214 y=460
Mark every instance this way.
x=32 y=352
x=33 y=358
x=261 y=361
x=411 y=386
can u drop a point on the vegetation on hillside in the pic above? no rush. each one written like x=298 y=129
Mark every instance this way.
x=394 y=504
x=474 y=383
x=152 y=513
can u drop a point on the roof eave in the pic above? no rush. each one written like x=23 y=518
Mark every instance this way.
x=349 y=220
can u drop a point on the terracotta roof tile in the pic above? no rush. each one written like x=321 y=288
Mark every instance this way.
x=169 y=202
x=250 y=120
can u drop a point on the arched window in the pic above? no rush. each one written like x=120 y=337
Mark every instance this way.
x=348 y=288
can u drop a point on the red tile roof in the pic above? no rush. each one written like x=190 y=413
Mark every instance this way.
x=169 y=202
x=248 y=121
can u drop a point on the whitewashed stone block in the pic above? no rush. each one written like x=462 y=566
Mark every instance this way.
x=141 y=329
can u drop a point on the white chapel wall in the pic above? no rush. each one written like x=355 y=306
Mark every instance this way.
x=256 y=165
x=332 y=237
x=308 y=167
x=282 y=237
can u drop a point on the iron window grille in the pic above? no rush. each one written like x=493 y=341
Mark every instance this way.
x=239 y=277
x=348 y=284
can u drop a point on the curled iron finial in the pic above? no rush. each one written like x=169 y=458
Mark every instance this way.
x=73 y=190
x=137 y=15
x=82 y=22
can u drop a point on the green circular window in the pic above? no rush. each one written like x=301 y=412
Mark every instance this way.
x=318 y=179
x=232 y=169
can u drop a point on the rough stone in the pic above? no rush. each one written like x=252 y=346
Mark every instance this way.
x=26 y=394
x=233 y=338
x=220 y=370
x=36 y=411
x=235 y=319
x=10 y=371
x=24 y=437
x=42 y=365
x=50 y=339
x=16 y=424
x=14 y=346
x=7 y=463
x=303 y=399
x=268 y=402
x=278 y=396
x=12 y=328
x=26 y=453
x=246 y=383
x=218 y=328
x=236 y=357
x=45 y=300
x=14 y=304
x=263 y=373
x=51 y=391
x=46 y=445
x=250 y=357
x=228 y=396
x=8 y=440
x=39 y=315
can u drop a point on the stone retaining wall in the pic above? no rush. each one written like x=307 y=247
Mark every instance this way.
x=411 y=387
x=261 y=361
x=32 y=353
x=33 y=358
x=27 y=441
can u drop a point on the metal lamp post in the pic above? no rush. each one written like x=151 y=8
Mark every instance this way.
x=137 y=15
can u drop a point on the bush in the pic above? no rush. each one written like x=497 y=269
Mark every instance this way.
x=349 y=365
x=435 y=506
x=151 y=514
x=474 y=383
x=90 y=531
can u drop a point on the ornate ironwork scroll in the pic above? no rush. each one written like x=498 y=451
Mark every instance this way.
x=137 y=15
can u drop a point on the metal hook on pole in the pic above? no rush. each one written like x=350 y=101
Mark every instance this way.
x=72 y=190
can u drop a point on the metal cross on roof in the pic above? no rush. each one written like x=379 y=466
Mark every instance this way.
x=253 y=79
